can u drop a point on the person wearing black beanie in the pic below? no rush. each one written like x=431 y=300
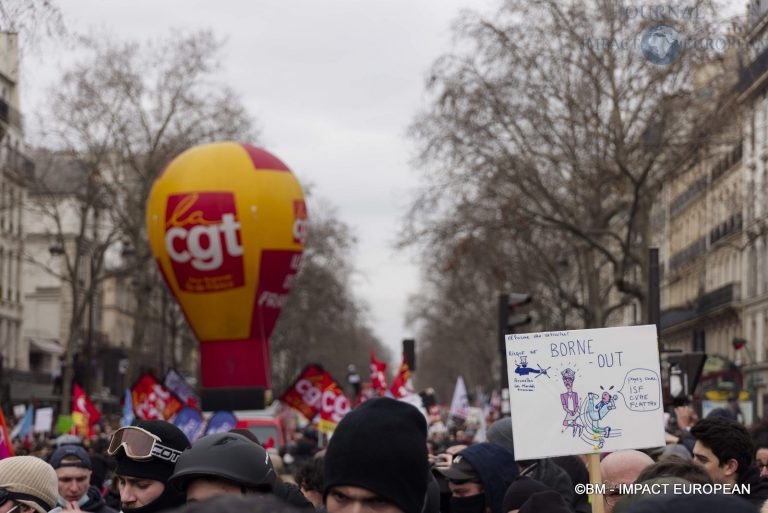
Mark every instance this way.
x=378 y=453
x=146 y=454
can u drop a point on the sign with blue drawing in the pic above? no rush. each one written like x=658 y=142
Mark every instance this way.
x=584 y=391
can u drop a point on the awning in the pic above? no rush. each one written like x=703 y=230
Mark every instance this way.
x=46 y=346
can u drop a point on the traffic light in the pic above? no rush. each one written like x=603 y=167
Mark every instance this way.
x=509 y=318
x=513 y=317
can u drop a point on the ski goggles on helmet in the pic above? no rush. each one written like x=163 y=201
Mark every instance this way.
x=139 y=444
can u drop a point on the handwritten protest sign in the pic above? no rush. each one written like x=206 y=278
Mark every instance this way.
x=584 y=391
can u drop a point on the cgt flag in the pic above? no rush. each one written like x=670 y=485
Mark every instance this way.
x=333 y=405
x=378 y=376
x=84 y=413
x=316 y=392
x=152 y=400
x=400 y=384
x=304 y=394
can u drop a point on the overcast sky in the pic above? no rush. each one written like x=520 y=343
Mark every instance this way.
x=333 y=84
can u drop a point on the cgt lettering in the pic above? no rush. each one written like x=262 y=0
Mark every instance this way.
x=310 y=394
x=335 y=405
x=203 y=246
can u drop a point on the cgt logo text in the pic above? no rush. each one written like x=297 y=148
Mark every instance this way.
x=621 y=11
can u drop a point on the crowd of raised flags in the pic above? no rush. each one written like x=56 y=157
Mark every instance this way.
x=315 y=394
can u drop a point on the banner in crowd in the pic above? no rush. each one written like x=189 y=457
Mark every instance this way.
x=378 y=376
x=221 y=422
x=584 y=391
x=24 y=428
x=333 y=405
x=190 y=421
x=460 y=401
x=44 y=420
x=84 y=413
x=176 y=383
x=400 y=383
x=316 y=392
x=304 y=394
x=152 y=400
x=6 y=449
x=128 y=416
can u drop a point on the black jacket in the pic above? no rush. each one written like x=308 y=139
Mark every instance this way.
x=758 y=489
x=96 y=502
x=552 y=475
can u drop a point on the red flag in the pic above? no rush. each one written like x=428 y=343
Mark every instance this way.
x=305 y=392
x=152 y=400
x=333 y=405
x=378 y=376
x=400 y=384
x=6 y=450
x=316 y=392
x=84 y=413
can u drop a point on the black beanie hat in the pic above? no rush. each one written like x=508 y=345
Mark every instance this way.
x=153 y=468
x=381 y=446
x=520 y=491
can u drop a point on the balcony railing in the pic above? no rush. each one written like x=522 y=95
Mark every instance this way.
x=10 y=115
x=17 y=161
x=688 y=254
x=753 y=72
x=688 y=195
x=727 y=161
x=728 y=227
x=719 y=297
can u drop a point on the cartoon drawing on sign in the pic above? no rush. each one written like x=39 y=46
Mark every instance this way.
x=593 y=414
x=523 y=369
x=570 y=402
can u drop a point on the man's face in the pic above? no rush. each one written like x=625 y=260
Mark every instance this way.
x=719 y=472
x=464 y=489
x=761 y=459
x=137 y=492
x=73 y=482
x=201 y=489
x=353 y=499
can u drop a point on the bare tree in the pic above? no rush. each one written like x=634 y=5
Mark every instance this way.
x=129 y=108
x=553 y=129
x=322 y=321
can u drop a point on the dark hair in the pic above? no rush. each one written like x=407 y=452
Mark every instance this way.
x=727 y=439
x=310 y=475
x=674 y=466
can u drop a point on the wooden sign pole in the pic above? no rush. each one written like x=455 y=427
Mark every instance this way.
x=593 y=462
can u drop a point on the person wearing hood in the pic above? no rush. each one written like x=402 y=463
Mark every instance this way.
x=146 y=454
x=478 y=478
x=74 y=468
x=544 y=470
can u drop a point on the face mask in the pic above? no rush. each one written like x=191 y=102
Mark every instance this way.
x=471 y=504
x=82 y=502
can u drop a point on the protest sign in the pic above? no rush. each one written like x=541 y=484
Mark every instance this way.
x=584 y=391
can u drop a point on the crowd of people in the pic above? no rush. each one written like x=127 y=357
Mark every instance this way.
x=383 y=457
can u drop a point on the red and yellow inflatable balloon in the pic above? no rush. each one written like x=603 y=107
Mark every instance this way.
x=227 y=225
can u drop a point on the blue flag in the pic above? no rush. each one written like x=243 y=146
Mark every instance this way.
x=24 y=428
x=127 y=418
x=220 y=422
x=190 y=421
